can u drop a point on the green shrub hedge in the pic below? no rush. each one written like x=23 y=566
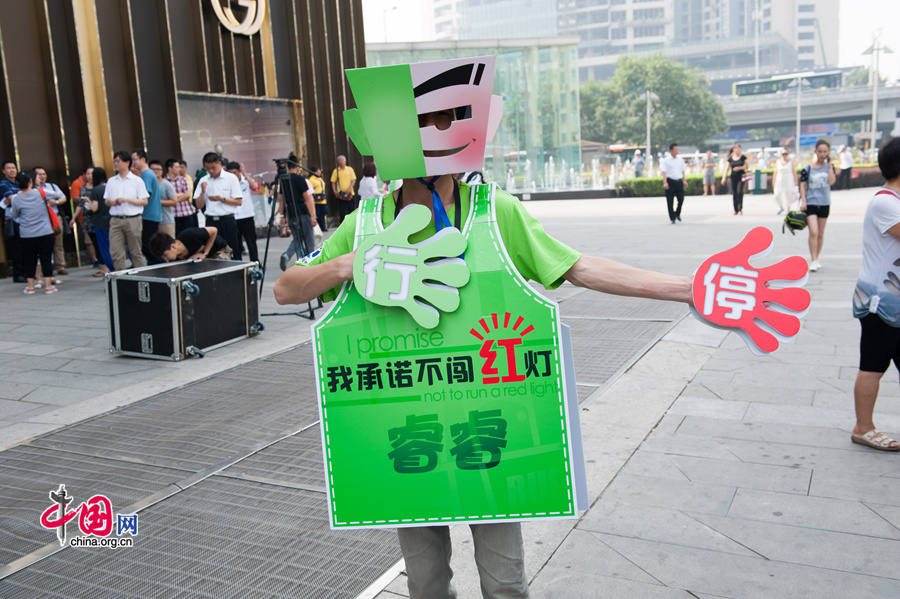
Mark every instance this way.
x=652 y=186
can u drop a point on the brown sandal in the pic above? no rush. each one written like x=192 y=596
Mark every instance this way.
x=876 y=440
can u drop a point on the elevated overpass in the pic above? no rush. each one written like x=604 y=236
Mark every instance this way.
x=816 y=106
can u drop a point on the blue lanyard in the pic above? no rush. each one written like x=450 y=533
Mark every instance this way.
x=441 y=219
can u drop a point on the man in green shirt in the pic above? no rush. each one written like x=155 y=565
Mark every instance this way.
x=537 y=256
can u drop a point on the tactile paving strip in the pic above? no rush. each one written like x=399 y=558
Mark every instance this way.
x=221 y=538
x=28 y=474
x=294 y=461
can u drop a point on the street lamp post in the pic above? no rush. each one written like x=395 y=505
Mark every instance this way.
x=797 y=137
x=648 y=126
x=875 y=50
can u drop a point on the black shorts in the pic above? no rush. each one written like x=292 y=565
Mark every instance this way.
x=879 y=343
x=820 y=211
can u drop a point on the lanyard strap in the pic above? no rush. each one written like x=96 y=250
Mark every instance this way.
x=441 y=219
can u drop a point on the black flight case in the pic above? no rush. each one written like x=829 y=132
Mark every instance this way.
x=181 y=309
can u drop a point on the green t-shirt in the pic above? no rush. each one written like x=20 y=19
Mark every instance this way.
x=536 y=255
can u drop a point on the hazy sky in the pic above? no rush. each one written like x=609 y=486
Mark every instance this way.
x=411 y=21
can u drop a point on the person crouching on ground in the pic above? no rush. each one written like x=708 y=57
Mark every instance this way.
x=876 y=301
x=193 y=243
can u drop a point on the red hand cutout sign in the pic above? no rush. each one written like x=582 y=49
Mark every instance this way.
x=763 y=305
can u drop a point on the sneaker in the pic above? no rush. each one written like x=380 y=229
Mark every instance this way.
x=814 y=266
x=38 y=285
x=57 y=281
x=282 y=262
x=29 y=291
x=672 y=221
x=50 y=290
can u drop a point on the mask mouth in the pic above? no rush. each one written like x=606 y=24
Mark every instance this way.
x=442 y=153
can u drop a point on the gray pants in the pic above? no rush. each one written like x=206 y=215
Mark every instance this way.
x=125 y=233
x=499 y=556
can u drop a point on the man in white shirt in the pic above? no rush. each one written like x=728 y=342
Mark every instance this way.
x=672 y=169
x=244 y=215
x=126 y=195
x=846 y=159
x=218 y=194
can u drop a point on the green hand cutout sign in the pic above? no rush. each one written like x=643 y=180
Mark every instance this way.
x=390 y=271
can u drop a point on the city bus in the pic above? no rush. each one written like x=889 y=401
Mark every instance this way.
x=772 y=85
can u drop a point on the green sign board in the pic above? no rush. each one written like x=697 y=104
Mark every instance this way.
x=437 y=408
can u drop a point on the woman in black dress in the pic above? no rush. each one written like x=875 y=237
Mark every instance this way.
x=737 y=164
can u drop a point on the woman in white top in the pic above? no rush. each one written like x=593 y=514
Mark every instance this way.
x=785 y=181
x=368 y=187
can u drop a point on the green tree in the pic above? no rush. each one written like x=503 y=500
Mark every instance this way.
x=860 y=76
x=684 y=110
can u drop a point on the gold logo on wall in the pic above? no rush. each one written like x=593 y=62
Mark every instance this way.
x=256 y=12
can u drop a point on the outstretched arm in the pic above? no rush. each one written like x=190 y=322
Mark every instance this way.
x=301 y=284
x=609 y=276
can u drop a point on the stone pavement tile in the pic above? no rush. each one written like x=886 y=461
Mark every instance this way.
x=31 y=349
x=668 y=424
x=690 y=330
x=778 y=432
x=10 y=390
x=890 y=513
x=656 y=524
x=785 y=479
x=122 y=365
x=837 y=515
x=808 y=415
x=389 y=595
x=849 y=484
x=79 y=381
x=585 y=552
x=682 y=495
x=728 y=575
x=710 y=408
x=751 y=391
x=674 y=443
x=35 y=363
x=824 y=549
x=559 y=582
x=58 y=396
x=10 y=408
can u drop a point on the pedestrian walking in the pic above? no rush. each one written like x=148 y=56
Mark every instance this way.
x=845 y=158
x=737 y=166
x=638 y=164
x=709 y=174
x=816 y=180
x=672 y=169
x=167 y=199
x=97 y=215
x=245 y=215
x=185 y=213
x=57 y=200
x=126 y=195
x=785 y=182
x=31 y=208
x=295 y=202
x=368 y=186
x=152 y=212
x=10 y=228
x=218 y=194
x=343 y=180
x=876 y=300
x=317 y=187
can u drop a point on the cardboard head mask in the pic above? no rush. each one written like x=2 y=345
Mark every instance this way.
x=426 y=118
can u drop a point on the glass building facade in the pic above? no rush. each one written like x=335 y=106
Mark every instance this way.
x=538 y=144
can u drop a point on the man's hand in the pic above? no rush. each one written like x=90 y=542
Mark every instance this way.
x=391 y=271
x=728 y=292
x=199 y=255
x=665 y=184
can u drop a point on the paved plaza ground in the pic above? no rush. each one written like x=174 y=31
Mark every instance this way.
x=711 y=472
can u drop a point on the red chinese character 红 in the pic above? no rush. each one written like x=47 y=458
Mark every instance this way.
x=96 y=516
x=763 y=305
